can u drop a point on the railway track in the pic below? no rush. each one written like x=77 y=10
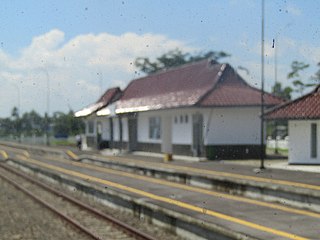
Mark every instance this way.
x=88 y=220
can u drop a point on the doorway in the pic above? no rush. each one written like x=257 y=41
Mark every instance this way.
x=133 y=129
x=197 y=135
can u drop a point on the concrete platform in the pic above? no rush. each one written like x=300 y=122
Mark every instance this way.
x=295 y=188
x=193 y=208
x=191 y=212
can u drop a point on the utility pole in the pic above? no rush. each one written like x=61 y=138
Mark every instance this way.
x=275 y=45
x=262 y=153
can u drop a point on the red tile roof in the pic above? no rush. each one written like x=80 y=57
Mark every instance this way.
x=110 y=96
x=305 y=107
x=232 y=90
x=181 y=86
x=202 y=83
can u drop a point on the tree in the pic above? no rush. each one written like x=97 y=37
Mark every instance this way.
x=284 y=93
x=66 y=124
x=296 y=69
x=174 y=58
x=16 y=122
x=32 y=123
x=6 y=126
x=15 y=113
x=316 y=76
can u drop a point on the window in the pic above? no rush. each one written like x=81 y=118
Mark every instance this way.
x=186 y=119
x=90 y=127
x=175 y=119
x=313 y=140
x=154 y=128
x=181 y=119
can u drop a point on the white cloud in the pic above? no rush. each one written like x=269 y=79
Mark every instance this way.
x=75 y=69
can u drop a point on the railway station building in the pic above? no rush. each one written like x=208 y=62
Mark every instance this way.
x=203 y=109
x=303 y=115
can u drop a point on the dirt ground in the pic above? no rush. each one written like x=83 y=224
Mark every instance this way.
x=22 y=218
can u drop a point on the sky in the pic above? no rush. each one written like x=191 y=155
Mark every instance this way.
x=62 y=55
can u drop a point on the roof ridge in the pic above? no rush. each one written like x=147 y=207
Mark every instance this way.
x=115 y=89
x=253 y=87
x=222 y=70
x=175 y=68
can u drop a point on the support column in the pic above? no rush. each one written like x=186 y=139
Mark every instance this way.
x=166 y=134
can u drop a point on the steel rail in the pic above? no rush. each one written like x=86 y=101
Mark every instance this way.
x=63 y=216
x=125 y=227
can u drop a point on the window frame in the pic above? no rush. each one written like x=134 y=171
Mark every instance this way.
x=155 y=128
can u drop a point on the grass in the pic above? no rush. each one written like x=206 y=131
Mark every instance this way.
x=281 y=151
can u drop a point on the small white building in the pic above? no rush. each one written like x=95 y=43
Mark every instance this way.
x=303 y=115
x=99 y=129
x=202 y=109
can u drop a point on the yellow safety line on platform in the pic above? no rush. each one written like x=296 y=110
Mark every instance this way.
x=26 y=154
x=12 y=149
x=217 y=173
x=72 y=155
x=4 y=154
x=170 y=201
x=195 y=189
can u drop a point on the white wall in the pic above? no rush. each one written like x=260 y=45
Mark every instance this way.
x=300 y=142
x=143 y=126
x=182 y=130
x=116 y=129
x=232 y=126
x=221 y=125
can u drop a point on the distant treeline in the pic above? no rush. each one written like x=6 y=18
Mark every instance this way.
x=31 y=123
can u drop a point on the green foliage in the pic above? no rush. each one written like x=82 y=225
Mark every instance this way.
x=31 y=123
x=284 y=93
x=6 y=127
x=295 y=75
x=15 y=112
x=316 y=76
x=174 y=58
x=66 y=124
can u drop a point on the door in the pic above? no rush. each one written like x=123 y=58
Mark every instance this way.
x=132 y=125
x=197 y=134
